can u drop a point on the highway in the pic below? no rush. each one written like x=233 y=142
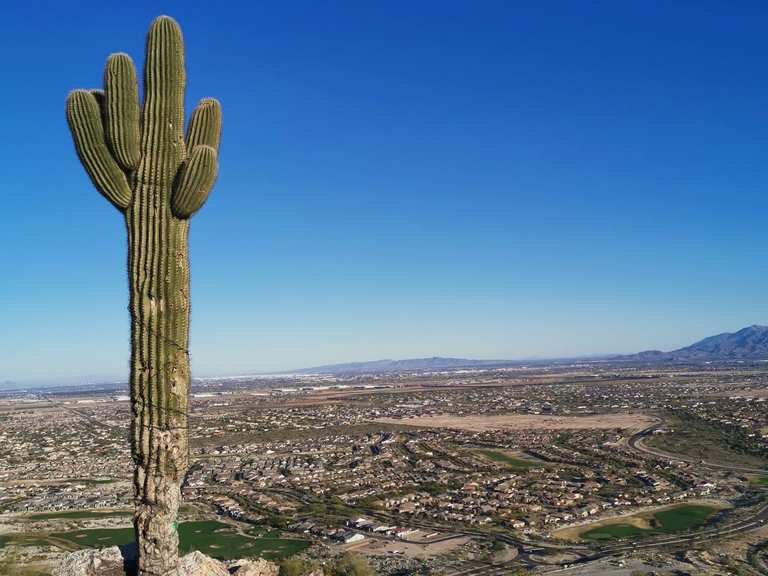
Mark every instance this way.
x=636 y=443
x=754 y=522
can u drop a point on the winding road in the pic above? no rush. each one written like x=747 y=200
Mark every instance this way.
x=758 y=519
x=636 y=442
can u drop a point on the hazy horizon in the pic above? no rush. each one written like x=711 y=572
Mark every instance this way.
x=401 y=182
x=123 y=377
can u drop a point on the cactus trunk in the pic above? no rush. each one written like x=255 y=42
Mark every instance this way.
x=158 y=180
x=159 y=303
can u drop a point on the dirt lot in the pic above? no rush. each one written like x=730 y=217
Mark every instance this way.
x=738 y=547
x=381 y=546
x=526 y=422
x=626 y=567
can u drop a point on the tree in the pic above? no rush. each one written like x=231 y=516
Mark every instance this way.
x=139 y=159
x=296 y=567
x=352 y=565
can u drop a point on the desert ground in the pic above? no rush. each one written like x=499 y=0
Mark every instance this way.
x=381 y=546
x=526 y=422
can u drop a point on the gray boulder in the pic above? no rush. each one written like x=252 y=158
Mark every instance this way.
x=258 y=567
x=101 y=562
x=198 y=564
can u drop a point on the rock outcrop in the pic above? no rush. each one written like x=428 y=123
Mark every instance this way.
x=258 y=567
x=116 y=562
x=101 y=562
x=198 y=564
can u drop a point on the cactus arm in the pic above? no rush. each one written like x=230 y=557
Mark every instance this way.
x=198 y=174
x=101 y=100
x=85 y=121
x=121 y=90
x=205 y=125
x=195 y=181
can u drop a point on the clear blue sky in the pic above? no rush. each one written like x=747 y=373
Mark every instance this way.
x=398 y=179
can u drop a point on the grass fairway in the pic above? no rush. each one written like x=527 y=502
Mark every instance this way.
x=210 y=537
x=27 y=539
x=611 y=531
x=503 y=458
x=676 y=519
x=95 y=537
x=683 y=517
x=80 y=514
x=222 y=541
x=761 y=481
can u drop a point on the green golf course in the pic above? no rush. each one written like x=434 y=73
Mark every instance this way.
x=667 y=521
x=214 y=538
x=79 y=515
x=502 y=457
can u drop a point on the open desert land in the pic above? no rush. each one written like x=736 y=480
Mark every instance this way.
x=483 y=423
x=408 y=549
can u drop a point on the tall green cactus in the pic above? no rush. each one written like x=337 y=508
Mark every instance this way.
x=139 y=159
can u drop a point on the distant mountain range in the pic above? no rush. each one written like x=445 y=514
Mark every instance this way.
x=407 y=365
x=749 y=343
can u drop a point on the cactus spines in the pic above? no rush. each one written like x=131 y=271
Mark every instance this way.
x=139 y=160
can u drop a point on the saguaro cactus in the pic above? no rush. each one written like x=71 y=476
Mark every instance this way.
x=139 y=159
